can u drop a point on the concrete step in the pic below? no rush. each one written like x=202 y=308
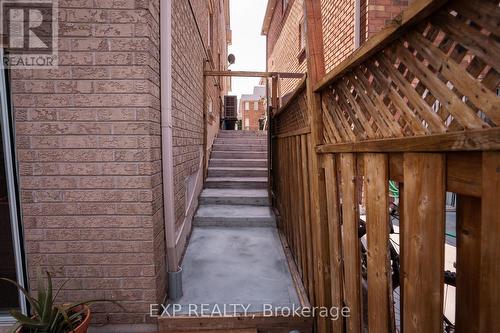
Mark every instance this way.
x=241 y=141
x=242 y=134
x=236 y=172
x=236 y=182
x=251 y=155
x=238 y=147
x=250 y=197
x=232 y=163
x=234 y=216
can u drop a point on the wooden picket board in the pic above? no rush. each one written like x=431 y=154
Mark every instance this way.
x=468 y=263
x=335 y=237
x=423 y=252
x=350 y=241
x=489 y=288
x=376 y=174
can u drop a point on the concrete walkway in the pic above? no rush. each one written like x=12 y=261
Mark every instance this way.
x=235 y=255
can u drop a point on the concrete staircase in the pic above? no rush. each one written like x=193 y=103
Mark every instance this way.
x=235 y=193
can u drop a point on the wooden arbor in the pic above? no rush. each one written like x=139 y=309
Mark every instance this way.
x=416 y=104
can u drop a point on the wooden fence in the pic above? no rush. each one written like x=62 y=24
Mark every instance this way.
x=417 y=104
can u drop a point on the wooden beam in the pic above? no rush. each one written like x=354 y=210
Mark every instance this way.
x=423 y=252
x=415 y=12
x=284 y=75
x=305 y=130
x=476 y=140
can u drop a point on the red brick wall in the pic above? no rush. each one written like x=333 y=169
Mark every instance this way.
x=338 y=31
x=283 y=43
x=382 y=12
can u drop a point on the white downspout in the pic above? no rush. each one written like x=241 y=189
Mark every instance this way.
x=174 y=271
x=357 y=24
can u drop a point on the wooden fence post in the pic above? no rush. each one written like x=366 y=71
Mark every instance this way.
x=489 y=288
x=315 y=71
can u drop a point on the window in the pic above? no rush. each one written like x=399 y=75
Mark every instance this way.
x=256 y=106
x=247 y=123
x=210 y=29
x=284 y=5
x=247 y=106
x=210 y=106
x=302 y=41
x=302 y=35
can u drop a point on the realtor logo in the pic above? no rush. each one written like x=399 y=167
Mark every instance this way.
x=29 y=33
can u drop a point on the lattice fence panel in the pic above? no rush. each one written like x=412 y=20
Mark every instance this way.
x=441 y=76
x=293 y=117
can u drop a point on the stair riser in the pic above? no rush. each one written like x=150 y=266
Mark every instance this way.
x=237 y=164
x=233 y=222
x=237 y=173
x=244 y=185
x=240 y=155
x=242 y=148
x=256 y=201
x=242 y=135
x=239 y=141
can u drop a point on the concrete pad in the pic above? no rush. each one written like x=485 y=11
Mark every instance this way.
x=228 y=266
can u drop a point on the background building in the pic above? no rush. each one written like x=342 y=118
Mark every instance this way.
x=252 y=109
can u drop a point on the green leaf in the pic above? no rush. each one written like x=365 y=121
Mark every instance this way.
x=48 y=305
x=25 y=320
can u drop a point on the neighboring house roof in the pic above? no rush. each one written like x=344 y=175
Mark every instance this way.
x=259 y=92
x=268 y=16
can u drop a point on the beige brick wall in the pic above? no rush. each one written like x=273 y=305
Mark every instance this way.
x=89 y=147
x=190 y=50
x=88 y=140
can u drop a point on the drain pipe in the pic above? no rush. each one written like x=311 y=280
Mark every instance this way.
x=174 y=272
x=357 y=24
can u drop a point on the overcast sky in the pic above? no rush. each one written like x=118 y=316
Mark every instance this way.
x=248 y=46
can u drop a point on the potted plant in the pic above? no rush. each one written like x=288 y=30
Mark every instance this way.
x=49 y=317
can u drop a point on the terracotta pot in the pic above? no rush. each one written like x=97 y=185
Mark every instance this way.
x=82 y=328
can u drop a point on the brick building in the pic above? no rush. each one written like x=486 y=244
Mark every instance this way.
x=346 y=25
x=252 y=109
x=109 y=147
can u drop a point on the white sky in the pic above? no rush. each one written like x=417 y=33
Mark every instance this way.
x=248 y=46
